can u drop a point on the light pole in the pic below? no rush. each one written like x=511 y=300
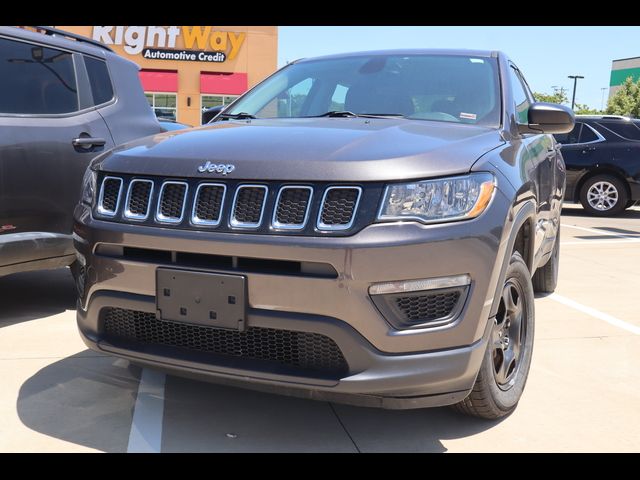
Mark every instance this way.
x=575 y=83
x=602 y=104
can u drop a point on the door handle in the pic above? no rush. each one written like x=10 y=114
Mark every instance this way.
x=88 y=142
x=551 y=153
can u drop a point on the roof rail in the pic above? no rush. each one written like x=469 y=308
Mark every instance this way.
x=606 y=117
x=78 y=38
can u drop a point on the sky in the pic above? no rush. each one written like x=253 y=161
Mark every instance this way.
x=546 y=55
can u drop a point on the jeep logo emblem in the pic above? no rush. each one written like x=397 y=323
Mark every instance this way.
x=216 y=168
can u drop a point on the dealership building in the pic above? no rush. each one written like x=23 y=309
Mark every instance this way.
x=620 y=70
x=185 y=70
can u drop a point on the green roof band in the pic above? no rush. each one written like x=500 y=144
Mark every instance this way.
x=619 y=76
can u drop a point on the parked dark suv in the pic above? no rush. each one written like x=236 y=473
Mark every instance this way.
x=64 y=99
x=602 y=155
x=362 y=228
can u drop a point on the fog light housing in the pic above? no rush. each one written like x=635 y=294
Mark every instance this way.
x=423 y=303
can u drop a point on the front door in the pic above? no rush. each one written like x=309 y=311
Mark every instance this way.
x=48 y=135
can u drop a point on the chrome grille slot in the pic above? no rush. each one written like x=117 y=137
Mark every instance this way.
x=292 y=207
x=248 y=206
x=138 y=199
x=208 y=204
x=338 y=208
x=109 y=199
x=171 y=202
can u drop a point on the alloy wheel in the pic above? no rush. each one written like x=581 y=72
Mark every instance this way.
x=509 y=334
x=602 y=196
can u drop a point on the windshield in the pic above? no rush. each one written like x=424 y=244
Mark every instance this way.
x=449 y=88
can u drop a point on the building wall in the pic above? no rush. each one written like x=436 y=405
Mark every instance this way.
x=620 y=70
x=256 y=55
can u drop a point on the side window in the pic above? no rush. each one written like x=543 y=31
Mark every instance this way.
x=520 y=96
x=626 y=129
x=99 y=79
x=36 y=79
x=572 y=137
x=587 y=135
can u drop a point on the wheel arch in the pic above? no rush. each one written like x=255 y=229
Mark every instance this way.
x=522 y=230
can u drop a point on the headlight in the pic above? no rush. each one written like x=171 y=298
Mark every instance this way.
x=88 y=186
x=439 y=200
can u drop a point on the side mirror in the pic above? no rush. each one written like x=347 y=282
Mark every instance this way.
x=548 y=118
x=209 y=113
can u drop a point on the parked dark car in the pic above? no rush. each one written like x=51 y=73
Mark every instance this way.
x=65 y=99
x=210 y=113
x=362 y=228
x=602 y=157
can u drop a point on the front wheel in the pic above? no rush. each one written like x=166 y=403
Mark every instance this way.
x=505 y=366
x=604 y=195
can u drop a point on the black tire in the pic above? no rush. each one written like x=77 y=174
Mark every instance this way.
x=489 y=398
x=620 y=190
x=545 y=280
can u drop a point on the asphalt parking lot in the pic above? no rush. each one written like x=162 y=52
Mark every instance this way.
x=583 y=391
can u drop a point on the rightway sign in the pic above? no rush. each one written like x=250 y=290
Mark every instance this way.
x=160 y=43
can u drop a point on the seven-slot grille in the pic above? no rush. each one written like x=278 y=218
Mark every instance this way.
x=229 y=206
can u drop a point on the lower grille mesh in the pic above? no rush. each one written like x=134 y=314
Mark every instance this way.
x=300 y=350
x=428 y=307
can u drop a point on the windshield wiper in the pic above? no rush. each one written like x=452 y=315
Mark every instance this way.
x=337 y=113
x=348 y=114
x=237 y=116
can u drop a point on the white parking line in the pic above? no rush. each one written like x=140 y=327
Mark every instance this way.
x=601 y=232
x=616 y=322
x=146 y=425
x=603 y=242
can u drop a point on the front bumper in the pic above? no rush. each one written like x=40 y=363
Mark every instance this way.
x=386 y=367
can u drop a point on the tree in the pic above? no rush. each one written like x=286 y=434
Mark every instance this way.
x=584 y=109
x=626 y=101
x=560 y=97
x=557 y=97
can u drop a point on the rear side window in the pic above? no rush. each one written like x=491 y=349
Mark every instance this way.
x=36 y=79
x=99 y=79
x=628 y=130
x=572 y=137
x=587 y=135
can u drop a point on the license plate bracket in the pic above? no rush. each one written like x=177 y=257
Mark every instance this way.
x=201 y=298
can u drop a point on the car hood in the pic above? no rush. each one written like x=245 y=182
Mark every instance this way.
x=313 y=149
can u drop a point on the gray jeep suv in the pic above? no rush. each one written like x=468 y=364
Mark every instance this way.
x=65 y=99
x=361 y=228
